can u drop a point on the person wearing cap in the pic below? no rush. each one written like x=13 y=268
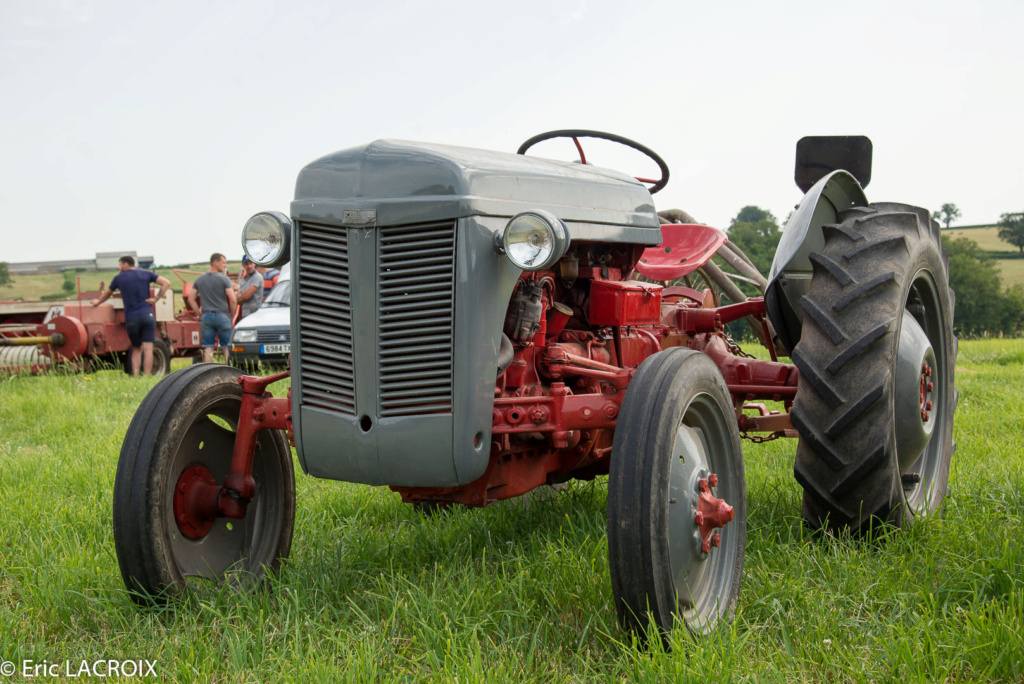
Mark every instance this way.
x=250 y=287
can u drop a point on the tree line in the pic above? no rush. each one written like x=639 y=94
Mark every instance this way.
x=1011 y=225
x=983 y=305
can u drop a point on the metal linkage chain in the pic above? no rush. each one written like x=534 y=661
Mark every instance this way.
x=757 y=439
x=735 y=348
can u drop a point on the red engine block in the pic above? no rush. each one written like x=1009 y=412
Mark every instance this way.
x=557 y=402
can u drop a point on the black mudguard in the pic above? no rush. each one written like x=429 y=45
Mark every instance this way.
x=790 y=277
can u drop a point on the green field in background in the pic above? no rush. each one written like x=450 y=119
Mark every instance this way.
x=1011 y=266
x=34 y=287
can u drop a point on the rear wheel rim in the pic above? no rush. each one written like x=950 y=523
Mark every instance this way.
x=922 y=358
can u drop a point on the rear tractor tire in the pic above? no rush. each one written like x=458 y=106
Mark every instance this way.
x=876 y=357
x=183 y=430
x=676 y=498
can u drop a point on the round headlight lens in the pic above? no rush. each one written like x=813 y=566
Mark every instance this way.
x=535 y=240
x=266 y=238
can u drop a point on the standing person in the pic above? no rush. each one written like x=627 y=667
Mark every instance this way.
x=270 y=277
x=139 y=321
x=250 y=287
x=218 y=306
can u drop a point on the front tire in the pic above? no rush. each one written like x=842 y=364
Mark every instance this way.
x=675 y=430
x=874 y=407
x=186 y=423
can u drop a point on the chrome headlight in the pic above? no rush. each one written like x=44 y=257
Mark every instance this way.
x=244 y=335
x=267 y=237
x=535 y=240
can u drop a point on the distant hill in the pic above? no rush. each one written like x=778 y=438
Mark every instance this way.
x=35 y=287
x=1011 y=265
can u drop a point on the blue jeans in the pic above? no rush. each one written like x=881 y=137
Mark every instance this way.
x=215 y=326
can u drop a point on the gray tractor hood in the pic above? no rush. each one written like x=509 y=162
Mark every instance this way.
x=394 y=182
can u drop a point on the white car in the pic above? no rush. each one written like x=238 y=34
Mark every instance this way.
x=265 y=335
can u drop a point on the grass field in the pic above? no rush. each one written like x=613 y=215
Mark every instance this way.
x=1011 y=265
x=34 y=287
x=987 y=238
x=374 y=591
x=1011 y=271
x=1007 y=256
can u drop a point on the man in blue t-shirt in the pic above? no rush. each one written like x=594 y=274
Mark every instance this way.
x=139 y=320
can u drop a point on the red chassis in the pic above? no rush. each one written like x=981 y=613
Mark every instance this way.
x=556 y=403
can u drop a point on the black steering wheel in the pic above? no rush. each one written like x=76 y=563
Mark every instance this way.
x=576 y=134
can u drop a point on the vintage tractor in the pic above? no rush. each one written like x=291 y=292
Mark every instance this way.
x=470 y=325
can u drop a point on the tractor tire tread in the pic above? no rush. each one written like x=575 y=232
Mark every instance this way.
x=846 y=456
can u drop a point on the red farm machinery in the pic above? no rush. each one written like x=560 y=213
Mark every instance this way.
x=39 y=336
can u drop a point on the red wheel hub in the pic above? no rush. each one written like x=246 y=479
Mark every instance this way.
x=195 y=501
x=711 y=513
x=927 y=387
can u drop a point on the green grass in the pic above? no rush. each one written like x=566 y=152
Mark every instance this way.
x=374 y=591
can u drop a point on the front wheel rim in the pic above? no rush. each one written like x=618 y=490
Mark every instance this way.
x=701 y=576
x=229 y=547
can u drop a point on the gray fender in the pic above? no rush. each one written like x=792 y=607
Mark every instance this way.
x=790 y=277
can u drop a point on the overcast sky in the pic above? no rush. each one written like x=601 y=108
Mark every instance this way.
x=161 y=127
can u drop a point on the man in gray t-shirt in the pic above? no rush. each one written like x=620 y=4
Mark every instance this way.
x=218 y=300
x=250 y=287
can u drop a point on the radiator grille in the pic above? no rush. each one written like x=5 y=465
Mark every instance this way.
x=416 y=281
x=273 y=335
x=325 y=319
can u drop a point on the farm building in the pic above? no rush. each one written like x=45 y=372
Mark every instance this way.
x=103 y=261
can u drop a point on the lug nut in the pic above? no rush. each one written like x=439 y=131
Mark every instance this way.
x=924 y=416
x=705 y=546
x=713 y=480
x=716 y=540
x=930 y=386
x=702 y=484
x=928 y=405
x=698 y=519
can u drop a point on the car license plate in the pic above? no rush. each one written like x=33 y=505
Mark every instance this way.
x=275 y=348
